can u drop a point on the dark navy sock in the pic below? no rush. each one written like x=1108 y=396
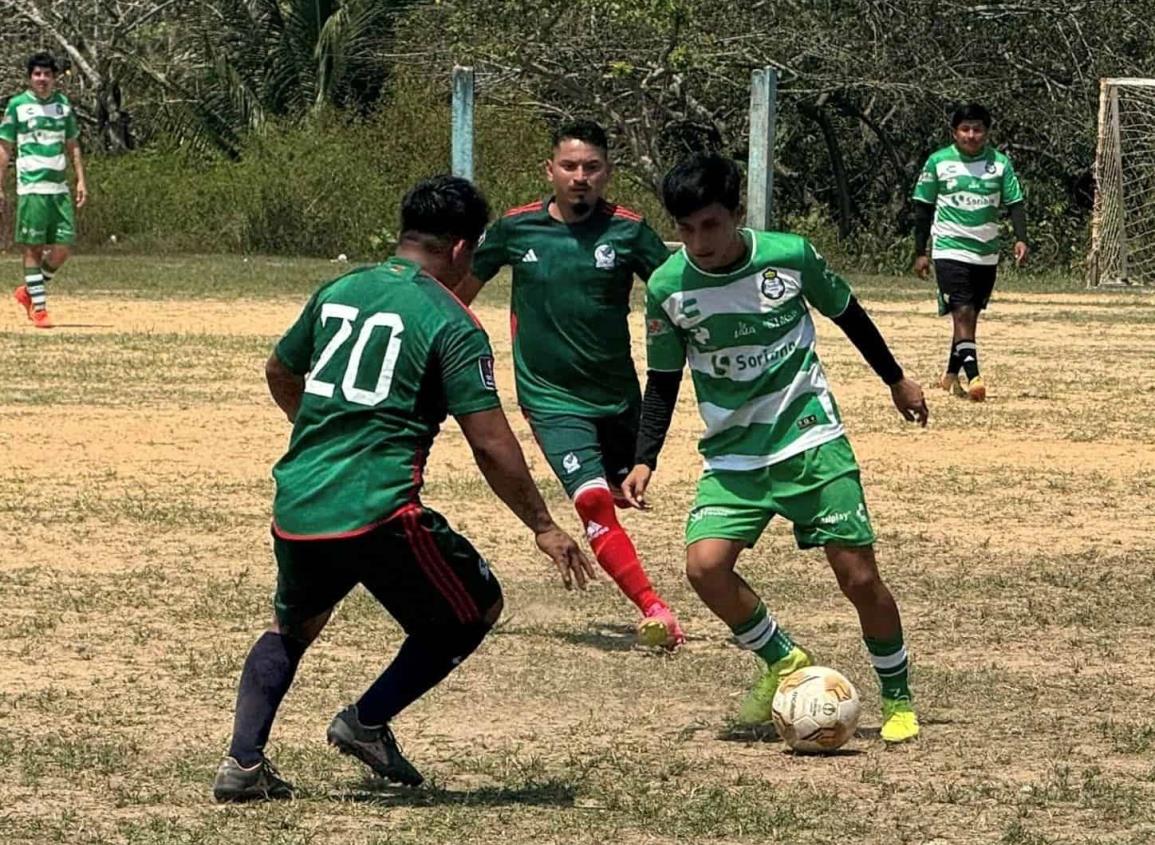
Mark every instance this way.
x=268 y=672
x=968 y=353
x=422 y=662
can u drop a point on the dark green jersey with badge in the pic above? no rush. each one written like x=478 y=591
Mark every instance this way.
x=570 y=303
x=386 y=353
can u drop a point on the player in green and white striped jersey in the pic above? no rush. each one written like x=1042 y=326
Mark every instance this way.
x=962 y=188
x=735 y=305
x=39 y=126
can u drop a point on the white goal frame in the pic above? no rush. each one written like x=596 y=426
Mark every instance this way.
x=1123 y=222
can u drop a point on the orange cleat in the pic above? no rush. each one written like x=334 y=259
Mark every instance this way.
x=22 y=296
x=41 y=320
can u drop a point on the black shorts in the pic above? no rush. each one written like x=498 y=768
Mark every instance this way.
x=421 y=570
x=960 y=283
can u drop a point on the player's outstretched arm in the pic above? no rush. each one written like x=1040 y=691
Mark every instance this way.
x=658 y=403
x=923 y=219
x=864 y=334
x=500 y=459
x=285 y=386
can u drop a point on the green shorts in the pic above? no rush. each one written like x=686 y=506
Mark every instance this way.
x=425 y=574
x=582 y=449
x=818 y=490
x=43 y=219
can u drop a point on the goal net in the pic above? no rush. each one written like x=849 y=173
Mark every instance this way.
x=1123 y=225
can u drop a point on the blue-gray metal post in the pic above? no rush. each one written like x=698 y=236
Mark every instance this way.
x=463 y=122
x=760 y=175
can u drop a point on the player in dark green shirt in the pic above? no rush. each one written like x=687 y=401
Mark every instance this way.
x=574 y=257
x=367 y=375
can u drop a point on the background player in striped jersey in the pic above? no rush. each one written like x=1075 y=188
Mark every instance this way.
x=961 y=188
x=39 y=126
x=367 y=375
x=574 y=257
x=735 y=304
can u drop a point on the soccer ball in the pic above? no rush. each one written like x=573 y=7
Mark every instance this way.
x=815 y=709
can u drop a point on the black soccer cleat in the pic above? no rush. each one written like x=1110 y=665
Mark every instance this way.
x=377 y=748
x=261 y=782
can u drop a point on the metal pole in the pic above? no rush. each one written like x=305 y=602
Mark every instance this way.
x=462 y=145
x=760 y=176
x=1124 y=271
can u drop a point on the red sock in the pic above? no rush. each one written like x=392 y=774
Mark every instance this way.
x=613 y=547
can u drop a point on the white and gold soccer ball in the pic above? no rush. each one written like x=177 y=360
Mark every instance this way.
x=815 y=709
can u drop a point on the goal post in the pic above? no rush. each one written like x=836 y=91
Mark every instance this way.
x=1123 y=223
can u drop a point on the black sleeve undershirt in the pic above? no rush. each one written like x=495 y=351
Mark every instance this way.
x=923 y=218
x=658 y=403
x=1019 y=220
x=857 y=325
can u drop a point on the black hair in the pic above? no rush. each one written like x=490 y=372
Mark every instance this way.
x=699 y=181
x=46 y=60
x=586 y=131
x=445 y=207
x=970 y=111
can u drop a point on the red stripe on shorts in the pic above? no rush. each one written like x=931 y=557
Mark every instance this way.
x=437 y=570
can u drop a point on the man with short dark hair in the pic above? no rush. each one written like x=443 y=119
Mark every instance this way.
x=734 y=304
x=39 y=127
x=961 y=189
x=367 y=374
x=574 y=257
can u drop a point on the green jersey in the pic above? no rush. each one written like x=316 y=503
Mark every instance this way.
x=386 y=353
x=967 y=192
x=39 y=129
x=749 y=340
x=570 y=303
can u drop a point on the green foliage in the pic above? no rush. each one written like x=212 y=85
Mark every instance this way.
x=327 y=185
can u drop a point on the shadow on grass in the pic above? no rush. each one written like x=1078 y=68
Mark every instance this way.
x=549 y=793
x=612 y=638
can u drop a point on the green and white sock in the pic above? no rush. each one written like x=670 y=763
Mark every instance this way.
x=762 y=635
x=892 y=666
x=34 y=281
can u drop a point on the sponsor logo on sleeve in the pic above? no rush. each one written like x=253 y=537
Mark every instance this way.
x=485 y=368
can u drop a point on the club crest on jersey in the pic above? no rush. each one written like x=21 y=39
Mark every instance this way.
x=772 y=286
x=655 y=327
x=570 y=463
x=990 y=168
x=604 y=257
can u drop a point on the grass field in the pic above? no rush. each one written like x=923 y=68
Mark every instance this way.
x=135 y=571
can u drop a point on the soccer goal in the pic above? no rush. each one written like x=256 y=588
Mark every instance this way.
x=1123 y=225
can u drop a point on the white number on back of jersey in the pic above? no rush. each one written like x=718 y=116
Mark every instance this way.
x=347 y=314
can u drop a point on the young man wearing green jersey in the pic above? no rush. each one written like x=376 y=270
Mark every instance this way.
x=735 y=304
x=961 y=189
x=574 y=257
x=367 y=374
x=40 y=127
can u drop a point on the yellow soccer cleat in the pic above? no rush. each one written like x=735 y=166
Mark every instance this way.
x=950 y=384
x=899 y=722
x=977 y=390
x=756 y=707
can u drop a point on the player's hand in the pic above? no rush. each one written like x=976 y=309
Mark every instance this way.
x=910 y=401
x=634 y=487
x=1021 y=253
x=571 y=561
x=81 y=194
x=922 y=266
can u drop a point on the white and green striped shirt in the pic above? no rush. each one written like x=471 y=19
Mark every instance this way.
x=749 y=340
x=39 y=129
x=967 y=192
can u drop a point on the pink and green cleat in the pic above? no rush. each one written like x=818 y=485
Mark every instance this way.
x=659 y=627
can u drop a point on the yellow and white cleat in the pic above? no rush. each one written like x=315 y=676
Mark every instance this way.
x=977 y=389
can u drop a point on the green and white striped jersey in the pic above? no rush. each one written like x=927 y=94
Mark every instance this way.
x=39 y=130
x=967 y=192
x=749 y=340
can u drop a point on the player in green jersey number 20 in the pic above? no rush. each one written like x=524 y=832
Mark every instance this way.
x=367 y=374
x=39 y=126
x=961 y=189
x=574 y=257
x=735 y=305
